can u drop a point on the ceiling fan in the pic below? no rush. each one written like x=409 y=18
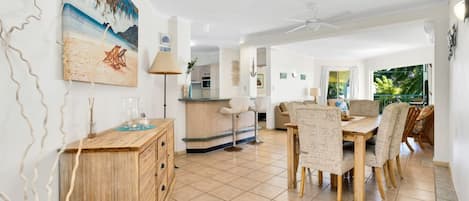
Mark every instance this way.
x=314 y=23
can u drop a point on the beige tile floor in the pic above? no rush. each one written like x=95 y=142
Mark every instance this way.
x=258 y=173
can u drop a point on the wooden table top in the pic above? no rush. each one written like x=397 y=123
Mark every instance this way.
x=357 y=125
x=118 y=140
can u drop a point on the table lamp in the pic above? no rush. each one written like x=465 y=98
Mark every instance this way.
x=315 y=92
x=164 y=64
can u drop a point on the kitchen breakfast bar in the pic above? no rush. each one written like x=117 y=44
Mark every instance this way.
x=207 y=129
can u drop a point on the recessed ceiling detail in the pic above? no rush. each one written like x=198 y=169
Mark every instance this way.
x=230 y=20
x=366 y=44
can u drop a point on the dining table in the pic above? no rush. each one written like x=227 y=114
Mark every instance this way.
x=356 y=129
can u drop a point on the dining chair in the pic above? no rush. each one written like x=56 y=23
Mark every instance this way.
x=291 y=106
x=409 y=126
x=320 y=133
x=368 y=108
x=396 y=140
x=424 y=127
x=377 y=156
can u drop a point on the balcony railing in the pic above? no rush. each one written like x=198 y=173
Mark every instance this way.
x=413 y=99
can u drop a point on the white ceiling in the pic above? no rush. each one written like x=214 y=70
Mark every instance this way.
x=366 y=44
x=231 y=20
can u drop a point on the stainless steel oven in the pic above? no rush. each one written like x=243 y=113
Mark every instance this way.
x=206 y=83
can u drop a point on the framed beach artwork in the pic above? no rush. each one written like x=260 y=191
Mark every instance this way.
x=100 y=40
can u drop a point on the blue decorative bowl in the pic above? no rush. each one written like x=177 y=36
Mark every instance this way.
x=139 y=127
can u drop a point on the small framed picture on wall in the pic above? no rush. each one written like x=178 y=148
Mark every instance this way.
x=260 y=81
x=165 y=42
x=283 y=76
x=303 y=77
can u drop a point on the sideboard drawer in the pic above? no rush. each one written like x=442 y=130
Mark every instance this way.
x=162 y=146
x=162 y=166
x=163 y=189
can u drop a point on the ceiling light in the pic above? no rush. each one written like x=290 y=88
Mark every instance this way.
x=460 y=10
x=193 y=43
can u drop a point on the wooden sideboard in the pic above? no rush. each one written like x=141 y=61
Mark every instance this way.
x=122 y=166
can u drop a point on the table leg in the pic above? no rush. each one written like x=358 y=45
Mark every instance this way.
x=291 y=158
x=359 y=169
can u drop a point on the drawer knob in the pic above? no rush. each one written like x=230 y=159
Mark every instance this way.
x=163 y=188
x=163 y=144
x=162 y=165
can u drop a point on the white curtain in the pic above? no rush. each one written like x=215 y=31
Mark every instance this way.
x=354 y=83
x=324 y=85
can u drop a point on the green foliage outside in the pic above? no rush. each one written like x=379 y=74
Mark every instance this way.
x=399 y=85
x=338 y=82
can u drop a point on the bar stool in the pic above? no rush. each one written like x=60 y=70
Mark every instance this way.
x=238 y=105
x=259 y=107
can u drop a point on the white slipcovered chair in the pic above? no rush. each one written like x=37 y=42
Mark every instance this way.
x=260 y=106
x=367 y=108
x=378 y=155
x=320 y=133
x=396 y=140
x=238 y=105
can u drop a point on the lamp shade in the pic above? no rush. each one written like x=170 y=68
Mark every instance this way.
x=461 y=10
x=164 y=64
x=315 y=92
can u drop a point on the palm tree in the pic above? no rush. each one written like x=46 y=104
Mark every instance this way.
x=120 y=6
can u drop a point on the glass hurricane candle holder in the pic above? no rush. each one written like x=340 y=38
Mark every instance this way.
x=131 y=111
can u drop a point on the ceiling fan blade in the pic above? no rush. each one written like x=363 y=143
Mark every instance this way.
x=329 y=25
x=339 y=16
x=317 y=27
x=296 y=28
x=294 y=20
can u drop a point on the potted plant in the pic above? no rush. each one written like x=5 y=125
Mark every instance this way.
x=187 y=90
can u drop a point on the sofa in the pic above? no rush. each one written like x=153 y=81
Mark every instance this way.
x=282 y=116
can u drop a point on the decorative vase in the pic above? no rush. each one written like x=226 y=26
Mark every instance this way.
x=190 y=91
x=188 y=86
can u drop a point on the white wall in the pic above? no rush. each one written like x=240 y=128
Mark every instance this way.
x=206 y=58
x=39 y=44
x=180 y=31
x=227 y=56
x=459 y=110
x=290 y=89
x=424 y=55
x=441 y=94
x=247 y=85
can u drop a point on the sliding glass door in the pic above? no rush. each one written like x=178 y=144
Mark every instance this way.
x=339 y=85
